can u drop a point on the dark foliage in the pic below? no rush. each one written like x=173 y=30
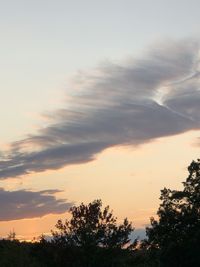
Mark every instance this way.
x=176 y=233
x=46 y=254
x=94 y=234
x=90 y=226
x=92 y=237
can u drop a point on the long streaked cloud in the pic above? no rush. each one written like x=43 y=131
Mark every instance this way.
x=128 y=104
x=22 y=204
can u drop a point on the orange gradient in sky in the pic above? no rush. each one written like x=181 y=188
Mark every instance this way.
x=129 y=179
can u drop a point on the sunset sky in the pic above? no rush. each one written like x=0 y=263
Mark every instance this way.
x=99 y=99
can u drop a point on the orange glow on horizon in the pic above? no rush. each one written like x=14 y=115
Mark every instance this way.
x=127 y=179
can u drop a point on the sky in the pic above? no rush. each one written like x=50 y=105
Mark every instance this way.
x=99 y=99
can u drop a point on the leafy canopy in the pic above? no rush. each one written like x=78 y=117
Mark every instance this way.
x=93 y=226
x=176 y=232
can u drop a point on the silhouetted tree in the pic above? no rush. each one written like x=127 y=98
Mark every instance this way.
x=95 y=232
x=92 y=226
x=176 y=233
x=12 y=235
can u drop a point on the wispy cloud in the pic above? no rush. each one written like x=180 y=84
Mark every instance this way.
x=22 y=204
x=128 y=104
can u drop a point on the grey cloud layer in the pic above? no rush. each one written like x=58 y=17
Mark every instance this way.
x=130 y=104
x=22 y=204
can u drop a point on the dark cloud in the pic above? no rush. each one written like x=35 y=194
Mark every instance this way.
x=22 y=204
x=127 y=104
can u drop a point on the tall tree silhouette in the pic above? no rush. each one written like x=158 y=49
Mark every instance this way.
x=177 y=231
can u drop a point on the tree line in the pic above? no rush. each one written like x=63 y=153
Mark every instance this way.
x=93 y=238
